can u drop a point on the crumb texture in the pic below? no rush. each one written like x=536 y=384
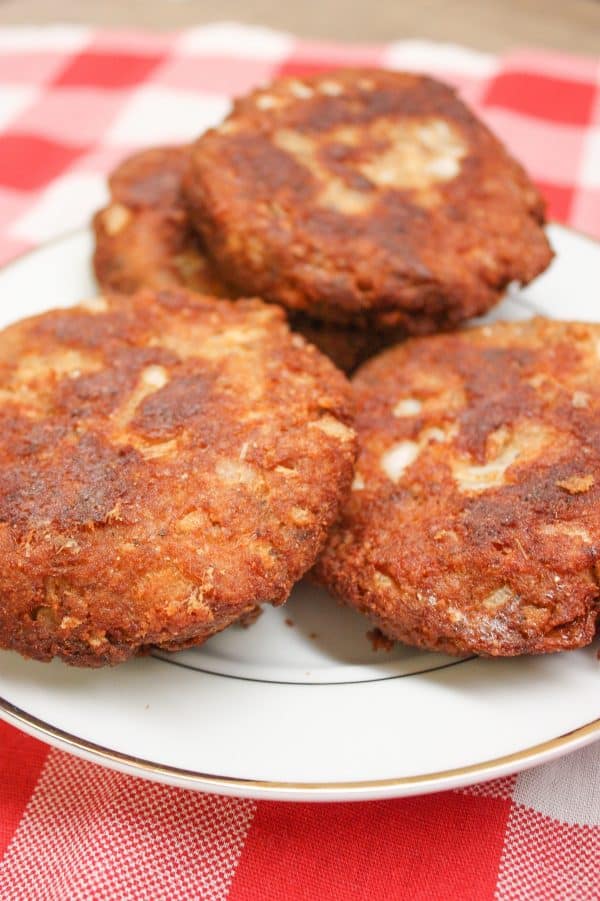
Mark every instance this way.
x=474 y=520
x=167 y=462
x=145 y=238
x=366 y=196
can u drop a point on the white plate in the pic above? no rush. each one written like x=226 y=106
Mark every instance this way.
x=309 y=711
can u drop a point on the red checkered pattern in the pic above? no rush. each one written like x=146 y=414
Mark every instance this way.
x=73 y=101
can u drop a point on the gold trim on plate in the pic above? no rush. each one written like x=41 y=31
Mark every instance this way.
x=163 y=772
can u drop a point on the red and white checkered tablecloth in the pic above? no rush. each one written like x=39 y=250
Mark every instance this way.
x=74 y=101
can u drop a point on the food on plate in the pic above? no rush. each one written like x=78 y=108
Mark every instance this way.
x=144 y=238
x=367 y=197
x=474 y=520
x=167 y=462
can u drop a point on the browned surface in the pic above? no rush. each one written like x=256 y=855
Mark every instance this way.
x=166 y=462
x=474 y=524
x=150 y=179
x=366 y=196
x=144 y=238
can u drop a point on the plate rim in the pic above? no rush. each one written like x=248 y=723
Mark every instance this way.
x=419 y=784
x=294 y=791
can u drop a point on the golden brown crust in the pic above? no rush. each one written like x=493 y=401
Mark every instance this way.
x=144 y=237
x=150 y=179
x=368 y=197
x=152 y=249
x=167 y=462
x=474 y=521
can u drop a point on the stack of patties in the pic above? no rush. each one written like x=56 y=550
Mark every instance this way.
x=377 y=201
x=171 y=460
x=370 y=205
x=373 y=206
x=145 y=238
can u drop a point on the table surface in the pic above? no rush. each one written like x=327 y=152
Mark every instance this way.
x=573 y=25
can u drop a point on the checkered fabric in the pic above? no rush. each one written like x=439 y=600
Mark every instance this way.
x=73 y=102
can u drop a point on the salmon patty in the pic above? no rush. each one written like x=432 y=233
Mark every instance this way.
x=474 y=520
x=366 y=197
x=167 y=463
x=144 y=237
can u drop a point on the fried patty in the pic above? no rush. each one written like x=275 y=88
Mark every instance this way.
x=145 y=238
x=474 y=520
x=167 y=462
x=367 y=197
